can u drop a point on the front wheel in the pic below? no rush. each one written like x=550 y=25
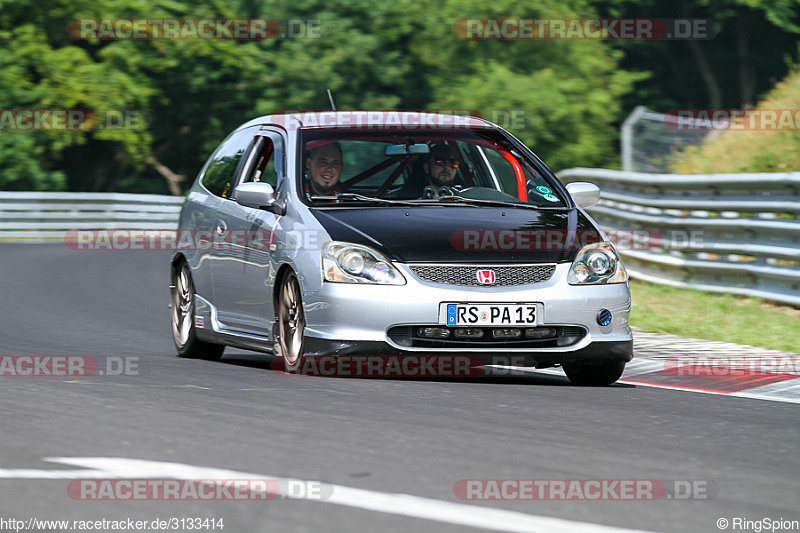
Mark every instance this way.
x=594 y=374
x=291 y=324
x=184 y=334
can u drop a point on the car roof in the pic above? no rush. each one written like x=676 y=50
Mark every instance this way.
x=360 y=118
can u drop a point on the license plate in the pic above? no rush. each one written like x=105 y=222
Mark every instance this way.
x=457 y=314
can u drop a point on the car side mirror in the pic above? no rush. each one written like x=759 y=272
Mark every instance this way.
x=585 y=194
x=257 y=194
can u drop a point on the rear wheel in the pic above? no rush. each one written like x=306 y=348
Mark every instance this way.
x=594 y=373
x=184 y=334
x=291 y=324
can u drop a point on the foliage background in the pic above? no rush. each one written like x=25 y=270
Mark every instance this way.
x=386 y=55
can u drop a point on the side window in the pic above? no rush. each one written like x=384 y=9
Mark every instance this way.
x=264 y=169
x=221 y=170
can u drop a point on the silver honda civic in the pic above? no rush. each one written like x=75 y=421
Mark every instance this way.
x=375 y=233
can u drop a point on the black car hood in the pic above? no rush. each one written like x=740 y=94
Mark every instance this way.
x=462 y=234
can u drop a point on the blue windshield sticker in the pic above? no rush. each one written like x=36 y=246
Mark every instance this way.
x=544 y=190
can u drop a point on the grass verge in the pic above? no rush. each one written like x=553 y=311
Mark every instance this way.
x=717 y=317
x=775 y=148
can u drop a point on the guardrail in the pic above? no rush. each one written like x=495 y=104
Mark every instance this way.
x=43 y=215
x=736 y=233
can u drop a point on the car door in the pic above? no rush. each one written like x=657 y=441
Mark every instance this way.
x=203 y=219
x=243 y=280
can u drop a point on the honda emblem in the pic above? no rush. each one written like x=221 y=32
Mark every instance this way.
x=486 y=277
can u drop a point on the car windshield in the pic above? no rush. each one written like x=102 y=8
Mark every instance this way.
x=478 y=167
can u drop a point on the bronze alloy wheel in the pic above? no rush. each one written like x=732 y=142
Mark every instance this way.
x=291 y=323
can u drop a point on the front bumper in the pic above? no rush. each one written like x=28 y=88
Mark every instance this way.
x=353 y=319
x=616 y=350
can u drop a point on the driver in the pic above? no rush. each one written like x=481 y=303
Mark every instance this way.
x=440 y=168
x=324 y=167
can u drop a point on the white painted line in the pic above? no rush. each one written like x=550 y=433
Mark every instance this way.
x=383 y=502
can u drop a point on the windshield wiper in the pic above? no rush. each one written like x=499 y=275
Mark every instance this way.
x=423 y=201
x=361 y=198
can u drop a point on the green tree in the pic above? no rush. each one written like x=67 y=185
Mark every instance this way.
x=20 y=169
x=402 y=55
x=755 y=43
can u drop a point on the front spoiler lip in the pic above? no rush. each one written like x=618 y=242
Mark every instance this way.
x=615 y=350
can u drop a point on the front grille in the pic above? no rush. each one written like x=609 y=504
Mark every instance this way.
x=467 y=275
x=408 y=336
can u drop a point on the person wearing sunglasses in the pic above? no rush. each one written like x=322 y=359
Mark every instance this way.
x=440 y=168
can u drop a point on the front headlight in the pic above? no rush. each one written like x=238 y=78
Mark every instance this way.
x=343 y=262
x=595 y=264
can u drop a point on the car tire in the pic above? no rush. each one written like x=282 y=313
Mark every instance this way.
x=184 y=334
x=291 y=325
x=594 y=374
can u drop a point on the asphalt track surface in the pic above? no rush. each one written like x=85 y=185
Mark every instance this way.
x=387 y=436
